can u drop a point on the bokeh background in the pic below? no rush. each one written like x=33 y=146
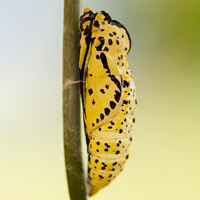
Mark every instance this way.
x=164 y=160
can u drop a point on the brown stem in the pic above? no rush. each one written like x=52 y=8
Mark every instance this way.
x=71 y=101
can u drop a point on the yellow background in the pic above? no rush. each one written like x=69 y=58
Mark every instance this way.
x=164 y=161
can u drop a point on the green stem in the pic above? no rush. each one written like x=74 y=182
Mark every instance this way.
x=71 y=101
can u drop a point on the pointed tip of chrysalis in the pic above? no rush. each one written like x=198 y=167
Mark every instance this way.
x=93 y=192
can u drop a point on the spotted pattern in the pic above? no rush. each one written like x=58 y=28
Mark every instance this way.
x=108 y=94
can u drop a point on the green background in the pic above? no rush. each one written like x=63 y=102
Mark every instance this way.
x=164 y=160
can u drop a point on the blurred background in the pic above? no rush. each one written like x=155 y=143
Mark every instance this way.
x=164 y=160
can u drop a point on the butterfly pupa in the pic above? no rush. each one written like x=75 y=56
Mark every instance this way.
x=108 y=95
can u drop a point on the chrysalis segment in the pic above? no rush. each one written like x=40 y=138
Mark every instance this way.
x=108 y=94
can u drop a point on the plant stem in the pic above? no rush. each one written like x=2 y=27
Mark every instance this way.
x=71 y=101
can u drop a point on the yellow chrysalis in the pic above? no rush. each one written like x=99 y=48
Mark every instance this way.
x=108 y=94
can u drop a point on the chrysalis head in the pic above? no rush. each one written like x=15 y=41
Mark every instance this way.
x=86 y=19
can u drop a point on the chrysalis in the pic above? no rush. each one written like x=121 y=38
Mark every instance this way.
x=108 y=94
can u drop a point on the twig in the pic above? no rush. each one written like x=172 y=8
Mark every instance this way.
x=71 y=101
